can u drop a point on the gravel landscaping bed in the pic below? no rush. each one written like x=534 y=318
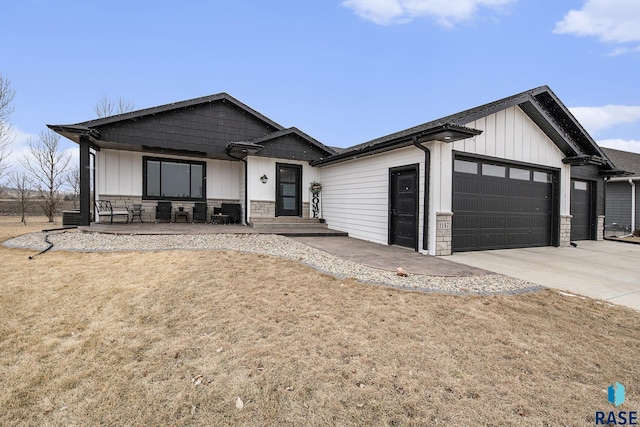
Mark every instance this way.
x=274 y=245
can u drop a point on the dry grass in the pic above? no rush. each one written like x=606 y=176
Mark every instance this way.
x=174 y=337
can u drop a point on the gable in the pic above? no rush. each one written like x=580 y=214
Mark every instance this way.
x=203 y=129
x=511 y=134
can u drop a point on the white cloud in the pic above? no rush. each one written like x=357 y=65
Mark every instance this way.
x=447 y=12
x=621 y=144
x=595 y=119
x=19 y=148
x=616 y=21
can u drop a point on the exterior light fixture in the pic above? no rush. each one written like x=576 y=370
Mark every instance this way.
x=264 y=179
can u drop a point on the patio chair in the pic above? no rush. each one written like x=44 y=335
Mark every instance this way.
x=163 y=211
x=200 y=211
x=105 y=208
x=234 y=210
x=136 y=211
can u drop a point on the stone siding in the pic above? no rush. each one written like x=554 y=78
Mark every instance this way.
x=600 y=229
x=565 y=230
x=262 y=209
x=443 y=233
x=149 y=206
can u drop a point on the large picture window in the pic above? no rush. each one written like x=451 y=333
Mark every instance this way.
x=173 y=179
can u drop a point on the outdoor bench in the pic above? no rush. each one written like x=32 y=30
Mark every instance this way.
x=105 y=208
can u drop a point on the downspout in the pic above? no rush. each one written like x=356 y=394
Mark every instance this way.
x=246 y=185
x=427 y=171
x=633 y=205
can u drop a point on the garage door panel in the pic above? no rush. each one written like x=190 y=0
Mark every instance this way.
x=493 y=187
x=468 y=203
x=468 y=222
x=518 y=240
x=492 y=240
x=519 y=205
x=465 y=240
x=492 y=222
x=493 y=204
x=468 y=185
x=518 y=221
x=512 y=211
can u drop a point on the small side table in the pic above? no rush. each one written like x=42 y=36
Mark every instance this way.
x=181 y=214
x=220 y=219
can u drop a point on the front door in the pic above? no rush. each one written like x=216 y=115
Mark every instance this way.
x=403 y=207
x=288 y=190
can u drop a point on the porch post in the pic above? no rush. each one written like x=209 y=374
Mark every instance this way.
x=85 y=184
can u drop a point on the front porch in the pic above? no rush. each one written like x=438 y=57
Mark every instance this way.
x=301 y=230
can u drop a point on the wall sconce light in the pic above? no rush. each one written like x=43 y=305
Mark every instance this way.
x=264 y=179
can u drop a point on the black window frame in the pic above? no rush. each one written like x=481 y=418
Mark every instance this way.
x=145 y=161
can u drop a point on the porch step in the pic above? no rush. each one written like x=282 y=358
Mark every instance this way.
x=287 y=222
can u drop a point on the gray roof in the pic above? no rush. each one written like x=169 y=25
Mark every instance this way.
x=199 y=127
x=540 y=104
x=625 y=160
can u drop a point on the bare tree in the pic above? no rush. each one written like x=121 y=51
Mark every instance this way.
x=106 y=107
x=6 y=97
x=22 y=185
x=72 y=180
x=47 y=165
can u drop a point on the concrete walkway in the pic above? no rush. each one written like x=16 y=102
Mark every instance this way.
x=151 y=228
x=604 y=270
x=389 y=257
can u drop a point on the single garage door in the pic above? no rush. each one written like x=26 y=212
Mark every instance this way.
x=582 y=224
x=498 y=206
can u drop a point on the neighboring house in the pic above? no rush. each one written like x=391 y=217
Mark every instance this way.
x=623 y=194
x=517 y=172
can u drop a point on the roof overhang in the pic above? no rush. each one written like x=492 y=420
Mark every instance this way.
x=584 y=161
x=445 y=132
x=242 y=149
x=75 y=132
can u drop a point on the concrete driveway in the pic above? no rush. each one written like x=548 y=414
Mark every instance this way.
x=604 y=270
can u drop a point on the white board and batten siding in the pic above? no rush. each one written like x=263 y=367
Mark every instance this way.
x=511 y=135
x=355 y=193
x=259 y=166
x=119 y=173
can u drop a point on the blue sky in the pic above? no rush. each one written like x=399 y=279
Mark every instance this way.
x=343 y=71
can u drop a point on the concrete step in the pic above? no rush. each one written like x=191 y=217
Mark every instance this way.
x=287 y=222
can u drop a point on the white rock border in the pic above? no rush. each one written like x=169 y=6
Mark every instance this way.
x=279 y=246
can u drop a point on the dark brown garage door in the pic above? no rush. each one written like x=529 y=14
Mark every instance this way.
x=499 y=206
x=582 y=221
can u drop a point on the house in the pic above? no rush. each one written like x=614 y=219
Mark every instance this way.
x=517 y=172
x=622 y=198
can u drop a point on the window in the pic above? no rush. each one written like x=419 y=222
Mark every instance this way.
x=493 y=170
x=465 y=166
x=516 y=173
x=541 y=176
x=173 y=179
x=580 y=185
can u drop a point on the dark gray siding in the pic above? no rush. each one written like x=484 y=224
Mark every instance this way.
x=637 y=205
x=291 y=146
x=205 y=128
x=618 y=205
